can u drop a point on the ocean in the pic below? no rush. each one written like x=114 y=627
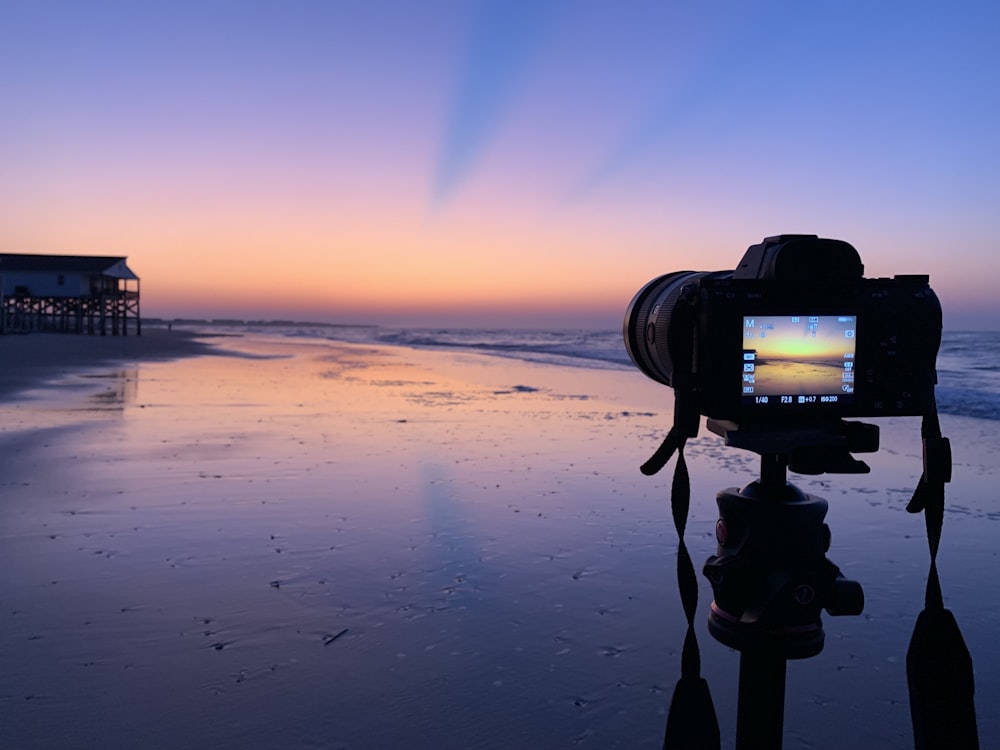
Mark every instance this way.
x=968 y=362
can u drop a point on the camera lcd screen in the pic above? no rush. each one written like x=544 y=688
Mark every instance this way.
x=793 y=360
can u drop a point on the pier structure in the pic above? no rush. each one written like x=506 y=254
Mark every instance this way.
x=69 y=294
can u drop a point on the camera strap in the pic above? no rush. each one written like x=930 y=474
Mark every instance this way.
x=687 y=416
x=939 y=671
x=929 y=496
x=691 y=721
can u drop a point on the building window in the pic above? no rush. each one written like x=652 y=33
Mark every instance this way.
x=61 y=280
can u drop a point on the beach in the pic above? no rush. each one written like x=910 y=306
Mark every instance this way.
x=33 y=360
x=259 y=542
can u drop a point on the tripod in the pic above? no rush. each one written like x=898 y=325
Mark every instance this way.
x=770 y=575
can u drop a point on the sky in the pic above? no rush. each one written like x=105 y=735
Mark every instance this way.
x=495 y=162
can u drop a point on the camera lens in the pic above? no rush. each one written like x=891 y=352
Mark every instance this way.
x=647 y=321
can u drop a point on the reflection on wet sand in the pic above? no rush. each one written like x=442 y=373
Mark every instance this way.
x=313 y=544
x=118 y=388
x=794 y=378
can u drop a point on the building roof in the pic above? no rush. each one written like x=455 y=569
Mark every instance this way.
x=106 y=265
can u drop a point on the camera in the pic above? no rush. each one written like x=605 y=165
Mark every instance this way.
x=776 y=353
x=794 y=335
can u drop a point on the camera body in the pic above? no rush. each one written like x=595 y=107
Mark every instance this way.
x=794 y=335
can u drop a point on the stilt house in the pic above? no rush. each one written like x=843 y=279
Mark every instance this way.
x=68 y=293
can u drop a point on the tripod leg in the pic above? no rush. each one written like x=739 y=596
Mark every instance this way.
x=761 y=712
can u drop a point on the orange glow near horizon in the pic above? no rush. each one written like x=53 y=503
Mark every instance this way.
x=404 y=262
x=400 y=162
x=785 y=338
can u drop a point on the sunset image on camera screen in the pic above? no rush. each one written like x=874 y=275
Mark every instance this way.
x=796 y=359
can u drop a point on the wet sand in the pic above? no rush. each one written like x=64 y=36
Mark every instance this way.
x=312 y=544
x=34 y=359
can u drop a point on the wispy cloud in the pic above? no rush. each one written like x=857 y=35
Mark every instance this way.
x=654 y=128
x=705 y=36
x=504 y=37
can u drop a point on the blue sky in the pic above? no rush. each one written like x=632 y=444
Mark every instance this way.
x=511 y=161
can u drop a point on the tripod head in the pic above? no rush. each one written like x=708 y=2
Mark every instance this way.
x=770 y=575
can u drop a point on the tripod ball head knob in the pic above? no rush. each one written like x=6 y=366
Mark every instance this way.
x=848 y=598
